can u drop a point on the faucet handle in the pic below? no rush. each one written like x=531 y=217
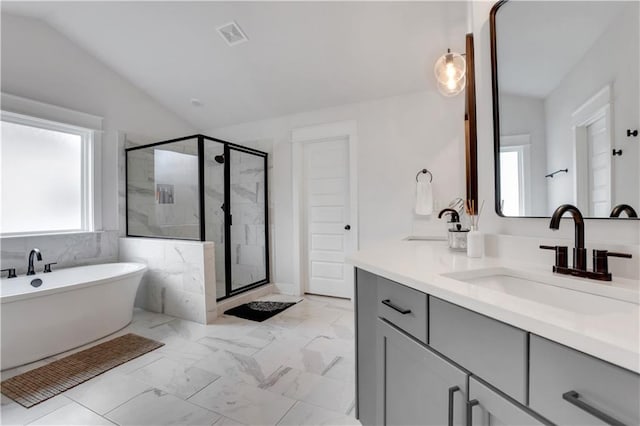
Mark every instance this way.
x=47 y=267
x=601 y=260
x=11 y=271
x=561 y=255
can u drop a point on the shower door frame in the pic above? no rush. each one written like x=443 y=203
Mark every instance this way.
x=228 y=146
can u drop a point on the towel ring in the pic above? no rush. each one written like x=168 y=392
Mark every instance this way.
x=425 y=171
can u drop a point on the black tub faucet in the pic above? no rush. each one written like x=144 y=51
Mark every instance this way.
x=579 y=252
x=34 y=252
x=615 y=212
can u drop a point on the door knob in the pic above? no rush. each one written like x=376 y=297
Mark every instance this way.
x=347 y=227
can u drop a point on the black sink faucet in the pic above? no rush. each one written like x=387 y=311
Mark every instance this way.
x=615 y=212
x=579 y=252
x=600 y=257
x=34 y=252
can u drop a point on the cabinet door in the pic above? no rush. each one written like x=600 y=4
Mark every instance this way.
x=414 y=385
x=366 y=313
x=487 y=407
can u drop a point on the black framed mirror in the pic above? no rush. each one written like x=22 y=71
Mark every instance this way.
x=566 y=107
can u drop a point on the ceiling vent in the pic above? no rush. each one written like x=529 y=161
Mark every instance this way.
x=232 y=34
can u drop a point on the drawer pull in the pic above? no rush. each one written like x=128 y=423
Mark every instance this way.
x=572 y=398
x=452 y=390
x=396 y=308
x=470 y=405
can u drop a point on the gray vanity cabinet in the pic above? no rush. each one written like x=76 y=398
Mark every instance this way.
x=572 y=388
x=415 y=386
x=486 y=407
x=366 y=314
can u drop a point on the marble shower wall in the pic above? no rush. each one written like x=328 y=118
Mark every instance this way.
x=248 y=256
x=180 y=280
x=66 y=249
x=175 y=165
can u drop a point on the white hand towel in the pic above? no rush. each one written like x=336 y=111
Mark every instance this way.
x=424 y=198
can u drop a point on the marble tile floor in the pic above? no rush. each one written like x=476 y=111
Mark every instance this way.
x=296 y=368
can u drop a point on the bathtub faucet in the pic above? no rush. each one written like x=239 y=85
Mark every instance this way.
x=34 y=252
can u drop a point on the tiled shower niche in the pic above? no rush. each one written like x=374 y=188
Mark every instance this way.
x=204 y=189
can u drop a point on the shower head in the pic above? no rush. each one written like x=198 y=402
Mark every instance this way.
x=219 y=159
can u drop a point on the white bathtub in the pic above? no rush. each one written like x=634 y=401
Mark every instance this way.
x=72 y=307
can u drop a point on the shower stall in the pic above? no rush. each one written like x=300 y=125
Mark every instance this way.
x=204 y=189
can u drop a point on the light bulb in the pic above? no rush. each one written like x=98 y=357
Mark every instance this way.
x=450 y=70
x=451 y=84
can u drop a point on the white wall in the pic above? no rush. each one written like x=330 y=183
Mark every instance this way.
x=599 y=67
x=397 y=136
x=524 y=115
x=40 y=64
x=597 y=230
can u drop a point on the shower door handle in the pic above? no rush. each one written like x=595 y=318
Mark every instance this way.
x=230 y=220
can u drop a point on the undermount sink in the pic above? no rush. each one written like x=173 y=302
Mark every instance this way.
x=565 y=293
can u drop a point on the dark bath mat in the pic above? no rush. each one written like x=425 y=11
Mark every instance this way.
x=40 y=384
x=259 y=311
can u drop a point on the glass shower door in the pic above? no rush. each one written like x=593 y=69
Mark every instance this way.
x=214 y=171
x=248 y=228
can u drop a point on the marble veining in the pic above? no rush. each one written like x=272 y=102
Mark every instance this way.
x=201 y=377
x=178 y=281
x=67 y=250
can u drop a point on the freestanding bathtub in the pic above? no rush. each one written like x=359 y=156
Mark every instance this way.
x=71 y=307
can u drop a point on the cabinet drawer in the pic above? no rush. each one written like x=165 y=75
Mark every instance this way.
x=404 y=307
x=556 y=369
x=492 y=350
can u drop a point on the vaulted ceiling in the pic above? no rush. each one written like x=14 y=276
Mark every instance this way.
x=300 y=55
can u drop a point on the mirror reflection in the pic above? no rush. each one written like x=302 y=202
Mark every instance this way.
x=567 y=107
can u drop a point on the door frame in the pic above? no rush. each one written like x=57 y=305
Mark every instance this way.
x=318 y=133
x=598 y=106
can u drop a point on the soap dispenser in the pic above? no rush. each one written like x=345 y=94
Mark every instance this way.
x=457 y=234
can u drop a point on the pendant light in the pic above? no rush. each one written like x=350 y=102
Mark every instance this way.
x=450 y=70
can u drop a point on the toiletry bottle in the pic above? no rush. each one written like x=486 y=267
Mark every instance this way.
x=475 y=243
x=457 y=234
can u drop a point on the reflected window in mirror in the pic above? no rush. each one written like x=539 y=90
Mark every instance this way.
x=566 y=98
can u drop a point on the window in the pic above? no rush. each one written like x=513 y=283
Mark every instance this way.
x=46 y=176
x=513 y=176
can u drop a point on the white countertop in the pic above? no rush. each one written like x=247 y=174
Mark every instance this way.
x=611 y=336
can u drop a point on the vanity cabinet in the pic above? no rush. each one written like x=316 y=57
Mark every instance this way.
x=415 y=386
x=487 y=407
x=572 y=388
x=493 y=350
x=442 y=364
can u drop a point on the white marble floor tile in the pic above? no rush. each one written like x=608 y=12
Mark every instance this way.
x=311 y=415
x=343 y=369
x=243 y=403
x=242 y=344
x=278 y=352
x=312 y=388
x=226 y=421
x=72 y=414
x=15 y=414
x=239 y=367
x=180 y=328
x=174 y=377
x=104 y=393
x=155 y=408
x=184 y=350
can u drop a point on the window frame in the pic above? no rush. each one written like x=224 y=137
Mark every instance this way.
x=89 y=194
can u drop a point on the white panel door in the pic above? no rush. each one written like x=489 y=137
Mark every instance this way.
x=599 y=158
x=326 y=207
